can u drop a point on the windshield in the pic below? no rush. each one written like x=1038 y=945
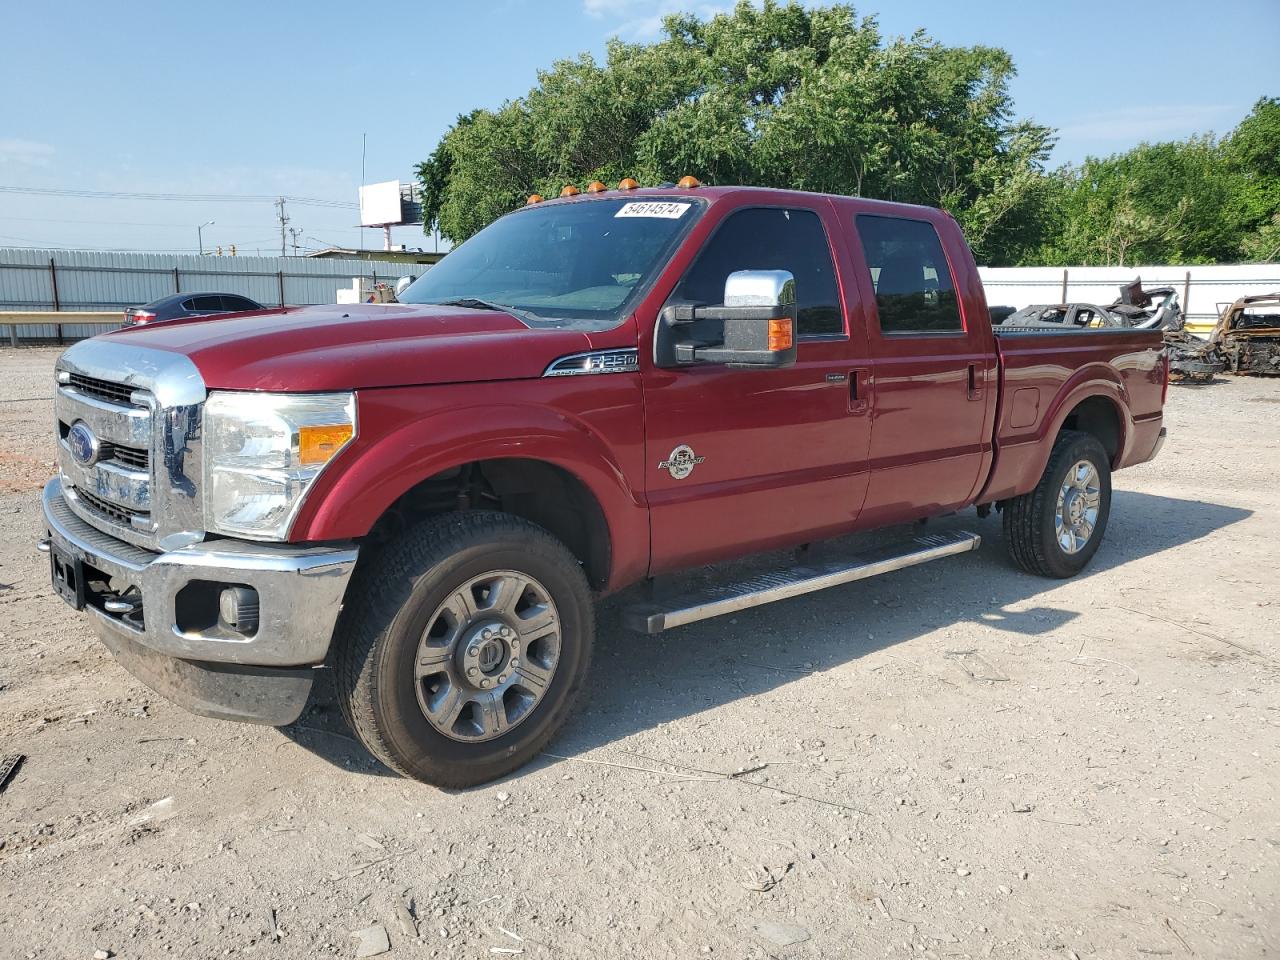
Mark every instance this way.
x=580 y=264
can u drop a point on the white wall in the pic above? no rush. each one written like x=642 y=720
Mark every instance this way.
x=1211 y=287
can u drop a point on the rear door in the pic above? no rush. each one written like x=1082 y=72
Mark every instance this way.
x=743 y=459
x=934 y=370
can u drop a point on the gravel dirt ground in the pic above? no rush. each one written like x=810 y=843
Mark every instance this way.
x=954 y=761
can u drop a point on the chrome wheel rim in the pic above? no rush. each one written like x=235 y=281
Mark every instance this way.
x=487 y=656
x=1076 y=515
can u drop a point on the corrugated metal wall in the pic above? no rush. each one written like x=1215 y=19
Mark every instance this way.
x=88 y=280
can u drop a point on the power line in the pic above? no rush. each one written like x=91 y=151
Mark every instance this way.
x=188 y=197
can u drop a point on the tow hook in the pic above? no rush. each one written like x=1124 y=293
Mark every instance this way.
x=44 y=546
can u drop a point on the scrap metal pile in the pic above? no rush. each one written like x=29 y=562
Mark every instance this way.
x=1246 y=339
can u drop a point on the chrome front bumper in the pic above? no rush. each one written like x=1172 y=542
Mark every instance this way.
x=300 y=591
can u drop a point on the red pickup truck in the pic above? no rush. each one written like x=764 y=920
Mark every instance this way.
x=594 y=390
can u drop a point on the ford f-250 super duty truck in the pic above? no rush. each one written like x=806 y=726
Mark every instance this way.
x=594 y=390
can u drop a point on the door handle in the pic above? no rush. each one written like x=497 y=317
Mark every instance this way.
x=859 y=391
x=975 y=388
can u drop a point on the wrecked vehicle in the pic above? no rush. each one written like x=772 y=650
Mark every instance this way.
x=1247 y=337
x=1154 y=309
x=1057 y=315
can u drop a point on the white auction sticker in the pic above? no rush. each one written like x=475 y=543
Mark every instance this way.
x=653 y=208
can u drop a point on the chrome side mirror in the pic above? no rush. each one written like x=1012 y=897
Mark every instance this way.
x=402 y=285
x=755 y=326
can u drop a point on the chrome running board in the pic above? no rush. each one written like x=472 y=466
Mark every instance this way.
x=654 y=617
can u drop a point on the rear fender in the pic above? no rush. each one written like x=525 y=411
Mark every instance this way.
x=1019 y=464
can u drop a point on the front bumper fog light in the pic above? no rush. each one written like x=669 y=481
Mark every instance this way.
x=238 y=610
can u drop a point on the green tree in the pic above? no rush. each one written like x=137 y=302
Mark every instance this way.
x=778 y=95
x=1199 y=200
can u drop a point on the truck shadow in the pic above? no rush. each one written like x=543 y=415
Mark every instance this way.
x=641 y=682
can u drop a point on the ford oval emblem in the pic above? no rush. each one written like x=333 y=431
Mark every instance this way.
x=84 y=445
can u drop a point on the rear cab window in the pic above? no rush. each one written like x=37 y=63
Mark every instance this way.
x=915 y=293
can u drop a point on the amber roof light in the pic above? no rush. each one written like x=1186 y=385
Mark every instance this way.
x=626 y=183
x=689 y=183
x=535 y=198
x=595 y=186
x=570 y=191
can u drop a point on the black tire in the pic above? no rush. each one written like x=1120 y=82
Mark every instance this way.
x=387 y=610
x=1029 y=519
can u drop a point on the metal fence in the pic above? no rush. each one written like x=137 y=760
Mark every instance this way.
x=82 y=280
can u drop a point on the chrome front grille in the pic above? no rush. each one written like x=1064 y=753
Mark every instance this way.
x=117 y=393
x=134 y=457
x=129 y=446
x=113 y=512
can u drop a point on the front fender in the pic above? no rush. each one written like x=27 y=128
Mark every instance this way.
x=598 y=440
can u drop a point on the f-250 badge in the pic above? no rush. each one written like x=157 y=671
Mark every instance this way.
x=681 y=462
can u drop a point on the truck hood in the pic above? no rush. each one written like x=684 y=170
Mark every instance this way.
x=349 y=347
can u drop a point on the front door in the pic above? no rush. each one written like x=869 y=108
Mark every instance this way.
x=741 y=459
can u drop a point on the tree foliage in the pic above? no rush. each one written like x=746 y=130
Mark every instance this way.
x=776 y=95
x=1199 y=200
x=817 y=99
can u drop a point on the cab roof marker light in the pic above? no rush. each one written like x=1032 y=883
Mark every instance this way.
x=626 y=183
x=689 y=183
x=534 y=198
x=570 y=191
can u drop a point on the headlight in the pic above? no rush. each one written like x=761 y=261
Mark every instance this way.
x=261 y=453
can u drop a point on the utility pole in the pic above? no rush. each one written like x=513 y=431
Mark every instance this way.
x=293 y=235
x=283 y=220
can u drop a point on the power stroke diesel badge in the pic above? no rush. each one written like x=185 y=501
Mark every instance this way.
x=681 y=462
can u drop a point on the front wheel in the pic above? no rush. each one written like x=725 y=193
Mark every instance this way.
x=463 y=647
x=1056 y=529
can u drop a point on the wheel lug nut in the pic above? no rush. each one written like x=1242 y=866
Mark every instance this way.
x=484 y=684
x=487 y=635
x=515 y=662
x=473 y=672
x=473 y=652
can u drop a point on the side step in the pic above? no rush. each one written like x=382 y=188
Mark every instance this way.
x=718 y=600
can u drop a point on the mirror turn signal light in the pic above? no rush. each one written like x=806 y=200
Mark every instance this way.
x=781 y=334
x=570 y=191
x=595 y=186
x=689 y=183
x=626 y=183
x=534 y=198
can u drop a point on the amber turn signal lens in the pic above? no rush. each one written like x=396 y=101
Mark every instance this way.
x=317 y=445
x=535 y=198
x=570 y=191
x=595 y=186
x=626 y=183
x=781 y=334
x=689 y=183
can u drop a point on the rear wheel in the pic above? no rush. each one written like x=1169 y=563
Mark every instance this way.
x=1056 y=529
x=464 y=647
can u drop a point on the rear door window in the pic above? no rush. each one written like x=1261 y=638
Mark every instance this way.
x=237 y=303
x=206 y=304
x=912 y=280
x=771 y=238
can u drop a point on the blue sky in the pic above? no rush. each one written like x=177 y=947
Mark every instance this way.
x=268 y=98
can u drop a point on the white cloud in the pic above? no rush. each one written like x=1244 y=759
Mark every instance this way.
x=1131 y=124
x=27 y=153
x=642 y=19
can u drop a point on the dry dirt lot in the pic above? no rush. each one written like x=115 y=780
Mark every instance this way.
x=954 y=761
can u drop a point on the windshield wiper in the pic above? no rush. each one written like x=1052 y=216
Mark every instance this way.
x=475 y=303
